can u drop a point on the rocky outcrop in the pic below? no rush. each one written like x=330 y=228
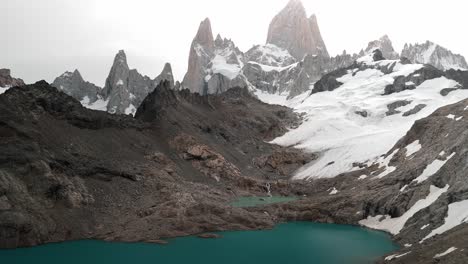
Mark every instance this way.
x=72 y=83
x=293 y=31
x=7 y=81
x=384 y=44
x=435 y=55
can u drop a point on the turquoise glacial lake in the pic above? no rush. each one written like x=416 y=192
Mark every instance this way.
x=290 y=243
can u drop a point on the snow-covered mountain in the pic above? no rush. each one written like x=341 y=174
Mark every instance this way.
x=354 y=115
x=435 y=55
x=123 y=92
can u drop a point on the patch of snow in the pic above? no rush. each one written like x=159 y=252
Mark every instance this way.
x=404 y=188
x=384 y=163
x=457 y=214
x=448 y=251
x=120 y=82
x=425 y=226
x=442 y=153
x=408 y=245
x=85 y=101
x=333 y=191
x=395 y=256
x=413 y=148
x=395 y=225
x=130 y=110
x=3 y=89
x=362 y=177
x=459 y=118
x=267 y=68
x=450 y=116
x=219 y=65
x=432 y=168
x=100 y=104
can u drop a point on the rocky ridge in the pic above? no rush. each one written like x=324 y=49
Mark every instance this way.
x=124 y=89
x=435 y=55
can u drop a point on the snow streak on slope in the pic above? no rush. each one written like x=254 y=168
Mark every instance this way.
x=334 y=128
x=395 y=225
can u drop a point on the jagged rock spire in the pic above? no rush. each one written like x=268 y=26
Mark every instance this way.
x=292 y=30
x=201 y=51
x=166 y=74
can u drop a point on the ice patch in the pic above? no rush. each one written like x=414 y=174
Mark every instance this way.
x=413 y=148
x=395 y=256
x=219 y=65
x=448 y=251
x=130 y=110
x=457 y=214
x=395 y=225
x=3 y=89
x=432 y=169
x=333 y=191
x=120 y=82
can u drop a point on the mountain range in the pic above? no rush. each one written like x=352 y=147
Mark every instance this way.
x=375 y=138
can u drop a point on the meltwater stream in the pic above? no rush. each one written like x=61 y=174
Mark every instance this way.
x=289 y=243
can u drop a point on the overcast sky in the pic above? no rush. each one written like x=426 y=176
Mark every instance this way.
x=40 y=39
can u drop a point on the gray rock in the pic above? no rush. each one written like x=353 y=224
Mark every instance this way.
x=201 y=53
x=435 y=55
x=72 y=83
x=384 y=44
x=415 y=110
x=7 y=81
x=292 y=30
x=393 y=106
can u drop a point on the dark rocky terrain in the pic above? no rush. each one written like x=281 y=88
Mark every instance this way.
x=67 y=172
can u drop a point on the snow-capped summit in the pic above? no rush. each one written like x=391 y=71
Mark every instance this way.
x=384 y=44
x=292 y=30
x=435 y=55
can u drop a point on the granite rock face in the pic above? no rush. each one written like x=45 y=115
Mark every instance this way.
x=214 y=65
x=292 y=30
x=384 y=44
x=435 y=55
x=72 y=83
x=7 y=81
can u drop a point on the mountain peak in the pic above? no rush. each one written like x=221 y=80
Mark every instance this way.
x=120 y=58
x=291 y=29
x=204 y=35
x=384 y=44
